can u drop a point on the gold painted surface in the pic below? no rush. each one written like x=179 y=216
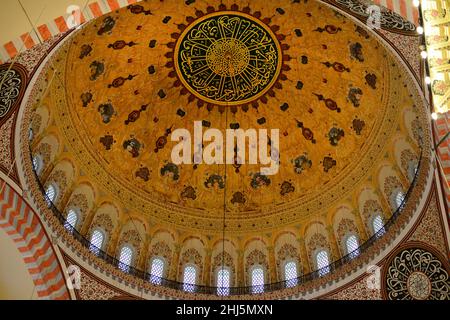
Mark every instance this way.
x=436 y=19
x=304 y=186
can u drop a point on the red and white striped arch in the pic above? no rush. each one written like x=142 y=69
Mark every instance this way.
x=57 y=26
x=404 y=8
x=19 y=221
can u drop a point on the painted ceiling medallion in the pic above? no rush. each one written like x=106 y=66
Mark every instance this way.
x=228 y=58
x=416 y=274
x=419 y=286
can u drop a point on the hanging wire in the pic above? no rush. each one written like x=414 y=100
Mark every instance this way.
x=14 y=60
x=33 y=292
x=33 y=26
x=224 y=199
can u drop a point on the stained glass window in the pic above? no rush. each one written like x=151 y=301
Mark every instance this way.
x=322 y=262
x=37 y=164
x=257 y=276
x=290 y=274
x=71 y=220
x=412 y=170
x=157 y=270
x=189 y=278
x=399 y=197
x=97 y=239
x=223 y=282
x=50 y=194
x=378 y=225
x=352 y=246
x=126 y=255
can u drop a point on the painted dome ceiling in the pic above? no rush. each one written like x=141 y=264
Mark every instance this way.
x=124 y=83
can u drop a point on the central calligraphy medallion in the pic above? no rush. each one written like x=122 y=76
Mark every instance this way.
x=228 y=58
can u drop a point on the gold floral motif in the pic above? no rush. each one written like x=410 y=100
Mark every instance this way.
x=191 y=256
x=161 y=249
x=287 y=251
x=104 y=222
x=318 y=241
x=391 y=184
x=226 y=260
x=345 y=227
x=130 y=237
x=256 y=257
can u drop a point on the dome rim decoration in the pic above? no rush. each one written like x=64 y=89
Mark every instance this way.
x=269 y=288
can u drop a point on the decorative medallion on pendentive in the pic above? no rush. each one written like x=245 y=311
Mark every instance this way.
x=228 y=57
x=416 y=274
x=13 y=81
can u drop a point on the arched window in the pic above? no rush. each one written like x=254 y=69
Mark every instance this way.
x=257 y=277
x=189 y=278
x=71 y=220
x=378 y=225
x=399 y=197
x=51 y=194
x=223 y=282
x=157 y=271
x=396 y=199
x=125 y=258
x=322 y=262
x=37 y=164
x=412 y=170
x=352 y=246
x=290 y=273
x=97 y=240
